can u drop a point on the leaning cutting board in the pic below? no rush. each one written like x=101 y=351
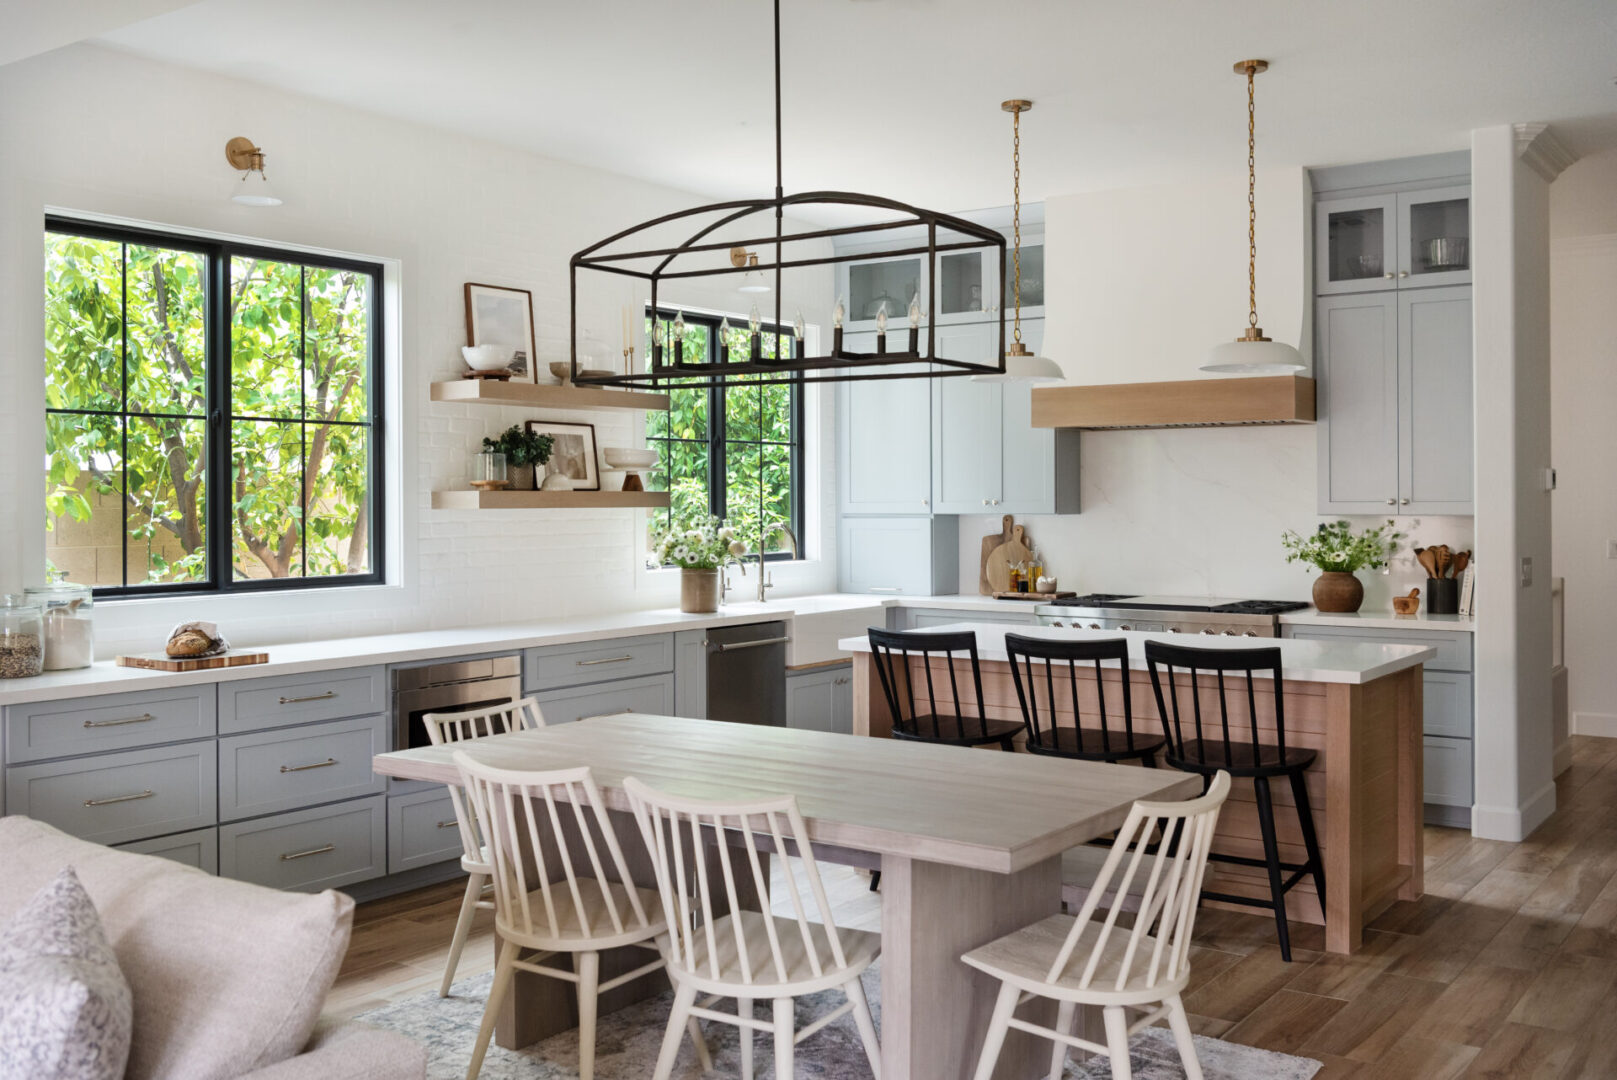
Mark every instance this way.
x=1000 y=560
x=157 y=661
x=1006 y=534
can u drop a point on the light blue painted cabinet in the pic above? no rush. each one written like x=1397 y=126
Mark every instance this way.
x=903 y=556
x=884 y=440
x=1435 y=451
x=820 y=699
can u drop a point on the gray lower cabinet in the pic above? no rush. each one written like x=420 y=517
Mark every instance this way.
x=920 y=618
x=915 y=556
x=287 y=768
x=820 y=699
x=596 y=661
x=690 y=674
x=198 y=848
x=55 y=729
x=653 y=694
x=280 y=700
x=322 y=848
x=1448 y=766
x=421 y=830
x=130 y=795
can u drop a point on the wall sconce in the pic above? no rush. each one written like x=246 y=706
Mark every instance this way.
x=753 y=280
x=249 y=159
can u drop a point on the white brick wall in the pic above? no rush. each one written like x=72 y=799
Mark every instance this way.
x=440 y=210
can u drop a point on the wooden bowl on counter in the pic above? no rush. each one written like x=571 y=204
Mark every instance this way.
x=1406 y=605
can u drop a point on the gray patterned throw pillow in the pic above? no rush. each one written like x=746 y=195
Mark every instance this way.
x=65 y=1009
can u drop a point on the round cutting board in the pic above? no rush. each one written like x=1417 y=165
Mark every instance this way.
x=999 y=563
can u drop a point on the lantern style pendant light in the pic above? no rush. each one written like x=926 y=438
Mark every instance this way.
x=1020 y=365
x=1252 y=353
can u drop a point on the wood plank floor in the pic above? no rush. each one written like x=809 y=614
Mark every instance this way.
x=1506 y=968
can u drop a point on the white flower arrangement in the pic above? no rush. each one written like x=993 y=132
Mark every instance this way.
x=698 y=544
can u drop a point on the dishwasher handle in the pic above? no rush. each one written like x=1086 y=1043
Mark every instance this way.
x=733 y=646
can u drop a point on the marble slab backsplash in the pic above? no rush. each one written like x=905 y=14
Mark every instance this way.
x=1199 y=511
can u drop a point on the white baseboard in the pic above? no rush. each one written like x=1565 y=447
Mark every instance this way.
x=1593 y=723
x=1514 y=823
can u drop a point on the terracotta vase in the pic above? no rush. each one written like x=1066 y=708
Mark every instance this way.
x=1337 y=591
x=698 y=591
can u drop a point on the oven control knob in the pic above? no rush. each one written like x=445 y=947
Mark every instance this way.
x=1229 y=633
x=1209 y=631
x=1173 y=629
x=1250 y=633
x=1125 y=626
x=1094 y=626
x=1058 y=622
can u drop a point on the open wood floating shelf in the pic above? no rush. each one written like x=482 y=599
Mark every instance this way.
x=547 y=500
x=1278 y=399
x=490 y=392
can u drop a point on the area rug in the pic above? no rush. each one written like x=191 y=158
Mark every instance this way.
x=627 y=1041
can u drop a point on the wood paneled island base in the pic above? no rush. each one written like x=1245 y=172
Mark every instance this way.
x=1365 y=786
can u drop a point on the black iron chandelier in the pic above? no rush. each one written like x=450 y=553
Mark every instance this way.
x=913 y=356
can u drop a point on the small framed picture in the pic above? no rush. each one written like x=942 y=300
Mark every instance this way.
x=572 y=453
x=496 y=315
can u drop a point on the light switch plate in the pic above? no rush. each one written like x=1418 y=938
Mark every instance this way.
x=1527 y=571
x=1611 y=549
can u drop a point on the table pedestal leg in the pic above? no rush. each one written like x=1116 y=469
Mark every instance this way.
x=935 y=1009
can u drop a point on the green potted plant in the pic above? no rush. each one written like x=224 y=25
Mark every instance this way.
x=524 y=450
x=1336 y=551
x=701 y=546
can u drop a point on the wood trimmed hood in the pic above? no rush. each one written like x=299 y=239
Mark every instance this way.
x=1277 y=399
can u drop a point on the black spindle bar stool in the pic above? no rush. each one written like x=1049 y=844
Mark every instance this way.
x=1106 y=743
x=930 y=720
x=1213 y=745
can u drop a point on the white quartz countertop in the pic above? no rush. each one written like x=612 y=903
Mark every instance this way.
x=1351 y=662
x=1381 y=620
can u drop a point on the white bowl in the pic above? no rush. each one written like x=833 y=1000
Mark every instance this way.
x=619 y=457
x=487 y=357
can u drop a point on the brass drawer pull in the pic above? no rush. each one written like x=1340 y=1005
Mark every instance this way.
x=447 y=824
x=312 y=697
x=148 y=793
x=141 y=719
x=305 y=854
x=605 y=660
x=305 y=768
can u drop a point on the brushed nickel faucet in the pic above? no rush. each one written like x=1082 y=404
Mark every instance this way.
x=778 y=529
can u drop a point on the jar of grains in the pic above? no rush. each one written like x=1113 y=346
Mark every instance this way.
x=69 y=633
x=22 y=638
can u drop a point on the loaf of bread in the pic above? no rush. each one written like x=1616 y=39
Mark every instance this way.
x=189 y=643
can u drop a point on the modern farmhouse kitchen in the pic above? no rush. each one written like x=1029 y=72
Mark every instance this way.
x=573 y=541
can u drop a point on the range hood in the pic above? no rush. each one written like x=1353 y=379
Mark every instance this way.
x=1278 y=399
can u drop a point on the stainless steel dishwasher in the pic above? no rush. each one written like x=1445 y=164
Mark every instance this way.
x=746 y=673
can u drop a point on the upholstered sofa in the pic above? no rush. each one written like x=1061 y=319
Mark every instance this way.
x=228 y=979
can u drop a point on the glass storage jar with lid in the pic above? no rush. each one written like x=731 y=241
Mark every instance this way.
x=22 y=637
x=69 y=632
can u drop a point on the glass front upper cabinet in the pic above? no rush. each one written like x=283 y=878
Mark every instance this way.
x=1377 y=242
x=890 y=282
x=1435 y=227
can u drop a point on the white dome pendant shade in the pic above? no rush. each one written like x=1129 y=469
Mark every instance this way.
x=1020 y=365
x=1252 y=353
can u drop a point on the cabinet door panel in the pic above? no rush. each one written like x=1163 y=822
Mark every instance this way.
x=886 y=438
x=1434 y=237
x=966 y=451
x=902 y=556
x=1434 y=329
x=1355 y=245
x=1029 y=482
x=1358 y=387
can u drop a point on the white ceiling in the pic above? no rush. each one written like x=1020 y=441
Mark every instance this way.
x=35 y=26
x=901 y=97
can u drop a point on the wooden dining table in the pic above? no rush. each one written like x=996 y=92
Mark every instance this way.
x=969 y=844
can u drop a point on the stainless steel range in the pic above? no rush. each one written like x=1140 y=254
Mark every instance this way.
x=1168 y=614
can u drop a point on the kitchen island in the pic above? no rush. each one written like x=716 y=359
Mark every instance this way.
x=1358 y=704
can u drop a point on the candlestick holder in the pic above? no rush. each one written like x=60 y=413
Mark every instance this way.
x=881 y=343
x=836 y=342
x=915 y=340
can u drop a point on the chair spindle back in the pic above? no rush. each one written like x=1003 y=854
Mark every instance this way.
x=893 y=652
x=521 y=714
x=1063 y=657
x=1164 y=660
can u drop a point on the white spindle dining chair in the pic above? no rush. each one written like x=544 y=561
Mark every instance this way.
x=1143 y=967
x=589 y=908
x=748 y=955
x=521 y=714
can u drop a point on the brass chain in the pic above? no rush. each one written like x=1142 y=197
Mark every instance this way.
x=1016 y=214
x=1251 y=198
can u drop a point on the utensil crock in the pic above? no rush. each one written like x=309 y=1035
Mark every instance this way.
x=1442 y=596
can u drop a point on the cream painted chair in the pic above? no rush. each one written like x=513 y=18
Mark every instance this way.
x=748 y=955
x=550 y=815
x=443 y=728
x=1142 y=968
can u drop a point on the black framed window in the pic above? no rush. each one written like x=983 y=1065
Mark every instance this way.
x=737 y=451
x=213 y=413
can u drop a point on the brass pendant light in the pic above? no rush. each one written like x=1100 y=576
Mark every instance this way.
x=1252 y=353
x=1020 y=365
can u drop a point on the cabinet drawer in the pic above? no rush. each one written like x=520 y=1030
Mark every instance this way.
x=116 y=797
x=308 y=849
x=1453 y=648
x=421 y=830
x=654 y=695
x=288 y=768
x=300 y=699
x=198 y=848
x=596 y=661
x=1448 y=771
x=51 y=729
x=1447 y=704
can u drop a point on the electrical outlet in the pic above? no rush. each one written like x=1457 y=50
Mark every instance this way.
x=1611 y=549
x=1527 y=571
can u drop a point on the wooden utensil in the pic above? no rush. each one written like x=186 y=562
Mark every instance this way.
x=1004 y=536
x=1461 y=561
x=1443 y=558
x=1428 y=559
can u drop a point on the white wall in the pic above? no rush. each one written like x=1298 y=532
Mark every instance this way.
x=1583 y=377
x=101 y=132
x=1148 y=280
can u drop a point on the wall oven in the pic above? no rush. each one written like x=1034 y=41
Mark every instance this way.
x=456 y=687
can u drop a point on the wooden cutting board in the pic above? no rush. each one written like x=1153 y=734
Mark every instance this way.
x=1006 y=534
x=157 y=661
x=998 y=567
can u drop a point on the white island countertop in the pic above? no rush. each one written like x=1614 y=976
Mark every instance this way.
x=1351 y=662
